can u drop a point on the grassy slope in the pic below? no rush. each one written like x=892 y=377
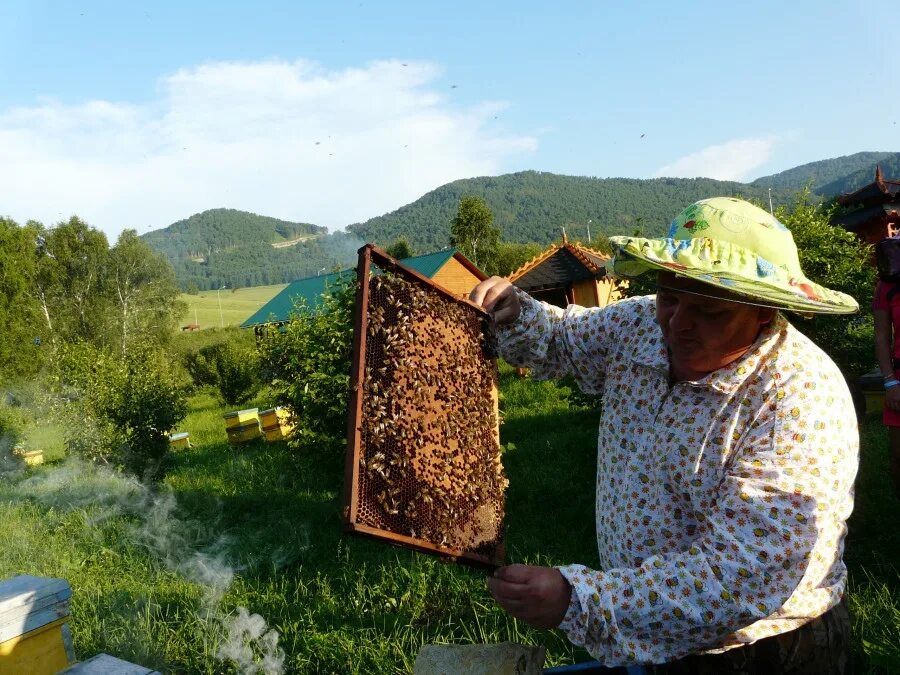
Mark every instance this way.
x=237 y=306
x=343 y=604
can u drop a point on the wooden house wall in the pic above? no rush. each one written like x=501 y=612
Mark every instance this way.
x=584 y=293
x=455 y=277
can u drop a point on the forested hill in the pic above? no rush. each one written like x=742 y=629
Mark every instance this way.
x=533 y=205
x=221 y=229
x=226 y=247
x=831 y=177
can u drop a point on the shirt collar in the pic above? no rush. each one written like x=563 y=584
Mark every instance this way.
x=652 y=353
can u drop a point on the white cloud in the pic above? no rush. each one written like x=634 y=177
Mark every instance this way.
x=734 y=160
x=286 y=139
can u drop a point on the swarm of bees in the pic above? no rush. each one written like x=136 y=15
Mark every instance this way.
x=429 y=458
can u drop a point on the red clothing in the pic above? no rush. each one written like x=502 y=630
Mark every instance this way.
x=887 y=298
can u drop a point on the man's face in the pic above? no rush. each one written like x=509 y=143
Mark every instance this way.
x=704 y=333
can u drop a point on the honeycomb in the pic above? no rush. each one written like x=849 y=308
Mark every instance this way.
x=428 y=470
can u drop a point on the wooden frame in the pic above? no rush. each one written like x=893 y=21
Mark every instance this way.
x=355 y=476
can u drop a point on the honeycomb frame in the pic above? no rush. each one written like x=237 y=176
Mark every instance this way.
x=423 y=465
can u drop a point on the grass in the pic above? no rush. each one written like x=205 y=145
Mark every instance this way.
x=238 y=305
x=168 y=578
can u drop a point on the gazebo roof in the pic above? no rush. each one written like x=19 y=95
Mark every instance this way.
x=876 y=192
x=856 y=219
x=560 y=265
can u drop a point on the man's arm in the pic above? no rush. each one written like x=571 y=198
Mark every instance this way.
x=551 y=341
x=776 y=518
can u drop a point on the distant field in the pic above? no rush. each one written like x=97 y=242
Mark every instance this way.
x=237 y=305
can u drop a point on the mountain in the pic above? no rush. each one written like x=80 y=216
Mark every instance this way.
x=226 y=247
x=831 y=177
x=534 y=205
x=235 y=248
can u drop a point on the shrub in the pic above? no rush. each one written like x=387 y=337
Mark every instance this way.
x=833 y=257
x=308 y=366
x=121 y=408
x=227 y=360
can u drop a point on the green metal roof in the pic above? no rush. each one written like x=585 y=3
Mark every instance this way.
x=311 y=289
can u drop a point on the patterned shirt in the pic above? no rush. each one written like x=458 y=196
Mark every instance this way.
x=721 y=503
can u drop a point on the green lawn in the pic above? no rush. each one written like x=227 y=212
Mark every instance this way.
x=167 y=578
x=237 y=305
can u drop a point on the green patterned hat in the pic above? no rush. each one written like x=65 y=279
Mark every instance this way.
x=735 y=246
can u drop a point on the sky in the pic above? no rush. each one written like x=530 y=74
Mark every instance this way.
x=139 y=114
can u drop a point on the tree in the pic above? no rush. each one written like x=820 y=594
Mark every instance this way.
x=400 y=249
x=143 y=290
x=473 y=233
x=68 y=282
x=511 y=256
x=839 y=260
x=20 y=337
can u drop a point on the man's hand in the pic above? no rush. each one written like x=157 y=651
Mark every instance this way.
x=498 y=298
x=892 y=398
x=539 y=596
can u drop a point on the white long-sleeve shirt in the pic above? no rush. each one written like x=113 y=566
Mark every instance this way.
x=721 y=503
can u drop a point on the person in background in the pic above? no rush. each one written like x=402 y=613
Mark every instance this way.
x=726 y=456
x=886 y=311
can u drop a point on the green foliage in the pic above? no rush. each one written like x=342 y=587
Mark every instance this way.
x=121 y=407
x=236 y=249
x=473 y=233
x=830 y=177
x=308 y=365
x=531 y=206
x=21 y=337
x=510 y=256
x=839 y=260
x=400 y=249
x=228 y=361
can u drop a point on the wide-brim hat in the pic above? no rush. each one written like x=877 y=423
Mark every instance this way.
x=735 y=246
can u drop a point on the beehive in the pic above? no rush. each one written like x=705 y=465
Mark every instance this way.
x=276 y=423
x=180 y=440
x=242 y=425
x=34 y=636
x=423 y=458
x=104 y=664
x=30 y=457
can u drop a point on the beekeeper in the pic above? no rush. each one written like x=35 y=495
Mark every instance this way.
x=726 y=455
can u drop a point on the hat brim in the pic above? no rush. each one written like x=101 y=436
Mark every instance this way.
x=729 y=268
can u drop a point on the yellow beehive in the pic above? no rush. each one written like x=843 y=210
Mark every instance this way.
x=244 y=433
x=180 y=440
x=34 y=636
x=241 y=418
x=30 y=457
x=276 y=424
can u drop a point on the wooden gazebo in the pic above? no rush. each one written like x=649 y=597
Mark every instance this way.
x=876 y=210
x=569 y=274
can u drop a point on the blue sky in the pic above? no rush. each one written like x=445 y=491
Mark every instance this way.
x=139 y=114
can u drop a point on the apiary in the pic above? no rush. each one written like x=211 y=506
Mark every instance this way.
x=423 y=457
x=180 y=440
x=242 y=425
x=34 y=636
x=276 y=423
x=30 y=457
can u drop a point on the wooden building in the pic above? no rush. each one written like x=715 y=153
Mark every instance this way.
x=567 y=274
x=873 y=210
x=448 y=268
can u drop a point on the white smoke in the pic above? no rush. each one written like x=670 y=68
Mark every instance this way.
x=176 y=543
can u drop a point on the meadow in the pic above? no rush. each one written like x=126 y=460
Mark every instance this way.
x=238 y=563
x=237 y=305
